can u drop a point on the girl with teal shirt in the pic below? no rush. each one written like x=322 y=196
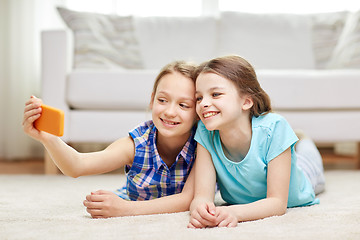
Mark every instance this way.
x=253 y=154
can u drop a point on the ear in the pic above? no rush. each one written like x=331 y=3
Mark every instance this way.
x=152 y=100
x=248 y=103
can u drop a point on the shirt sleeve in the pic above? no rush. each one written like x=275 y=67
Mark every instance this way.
x=140 y=133
x=202 y=135
x=281 y=138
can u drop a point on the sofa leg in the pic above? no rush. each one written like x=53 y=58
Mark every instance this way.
x=50 y=167
x=358 y=156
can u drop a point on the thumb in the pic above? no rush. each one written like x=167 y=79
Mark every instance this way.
x=100 y=192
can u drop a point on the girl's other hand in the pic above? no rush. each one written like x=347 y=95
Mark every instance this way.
x=203 y=216
x=105 y=204
x=225 y=218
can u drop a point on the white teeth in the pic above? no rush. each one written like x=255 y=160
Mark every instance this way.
x=171 y=123
x=209 y=114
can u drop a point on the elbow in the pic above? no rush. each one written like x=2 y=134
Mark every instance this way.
x=281 y=209
x=72 y=173
x=278 y=207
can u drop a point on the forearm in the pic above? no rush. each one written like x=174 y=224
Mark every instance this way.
x=204 y=183
x=169 y=204
x=258 y=210
x=65 y=157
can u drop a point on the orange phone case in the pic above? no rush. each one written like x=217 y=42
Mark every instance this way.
x=50 y=121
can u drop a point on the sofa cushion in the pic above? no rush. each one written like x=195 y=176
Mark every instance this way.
x=317 y=90
x=347 y=51
x=267 y=40
x=165 y=39
x=326 y=30
x=110 y=90
x=102 y=41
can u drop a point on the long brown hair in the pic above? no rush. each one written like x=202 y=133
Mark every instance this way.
x=242 y=74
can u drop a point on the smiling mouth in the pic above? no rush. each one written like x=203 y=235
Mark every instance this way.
x=209 y=114
x=169 y=122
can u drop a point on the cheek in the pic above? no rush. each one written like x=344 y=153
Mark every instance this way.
x=156 y=108
x=198 y=109
x=190 y=116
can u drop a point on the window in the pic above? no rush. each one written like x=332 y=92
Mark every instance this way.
x=139 y=7
x=205 y=7
x=286 y=6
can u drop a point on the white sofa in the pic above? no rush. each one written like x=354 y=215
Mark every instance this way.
x=300 y=61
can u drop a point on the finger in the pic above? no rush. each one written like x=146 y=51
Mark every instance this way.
x=33 y=102
x=32 y=109
x=31 y=113
x=228 y=222
x=101 y=192
x=196 y=224
x=30 y=118
x=233 y=224
x=211 y=208
x=95 y=213
x=29 y=101
x=95 y=198
x=205 y=215
x=203 y=221
x=190 y=225
x=92 y=205
x=223 y=223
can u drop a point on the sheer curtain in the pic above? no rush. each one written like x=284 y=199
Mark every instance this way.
x=21 y=24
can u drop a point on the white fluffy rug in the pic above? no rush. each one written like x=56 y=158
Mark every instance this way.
x=50 y=207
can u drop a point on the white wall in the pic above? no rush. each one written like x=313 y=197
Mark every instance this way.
x=2 y=71
x=21 y=23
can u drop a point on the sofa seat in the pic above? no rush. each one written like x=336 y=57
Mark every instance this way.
x=312 y=90
x=110 y=90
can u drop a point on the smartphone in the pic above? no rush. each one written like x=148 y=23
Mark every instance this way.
x=51 y=120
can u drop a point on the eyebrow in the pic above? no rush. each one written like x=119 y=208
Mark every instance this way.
x=182 y=98
x=213 y=88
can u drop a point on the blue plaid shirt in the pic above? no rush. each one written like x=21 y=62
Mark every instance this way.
x=149 y=177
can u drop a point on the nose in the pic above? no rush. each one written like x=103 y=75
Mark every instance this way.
x=204 y=103
x=171 y=110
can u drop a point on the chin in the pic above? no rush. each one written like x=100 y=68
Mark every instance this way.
x=209 y=127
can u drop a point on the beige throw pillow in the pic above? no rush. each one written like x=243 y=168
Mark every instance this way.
x=347 y=51
x=102 y=41
x=326 y=30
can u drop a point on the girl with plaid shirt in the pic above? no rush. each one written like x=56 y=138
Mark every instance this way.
x=158 y=154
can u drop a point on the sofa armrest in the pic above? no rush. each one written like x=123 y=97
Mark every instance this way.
x=55 y=64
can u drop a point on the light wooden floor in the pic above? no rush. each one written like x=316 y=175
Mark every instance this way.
x=36 y=166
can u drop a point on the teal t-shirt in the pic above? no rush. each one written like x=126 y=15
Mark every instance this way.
x=245 y=181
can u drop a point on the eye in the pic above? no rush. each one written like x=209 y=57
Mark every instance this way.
x=183 y=105
x=216 y=94
x=198 y=99
x=161 y=100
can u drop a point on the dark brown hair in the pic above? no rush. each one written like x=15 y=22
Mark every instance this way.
x=242 y=74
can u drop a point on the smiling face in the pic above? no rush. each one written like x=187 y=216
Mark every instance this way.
x=173 y=106
x=218 y=102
